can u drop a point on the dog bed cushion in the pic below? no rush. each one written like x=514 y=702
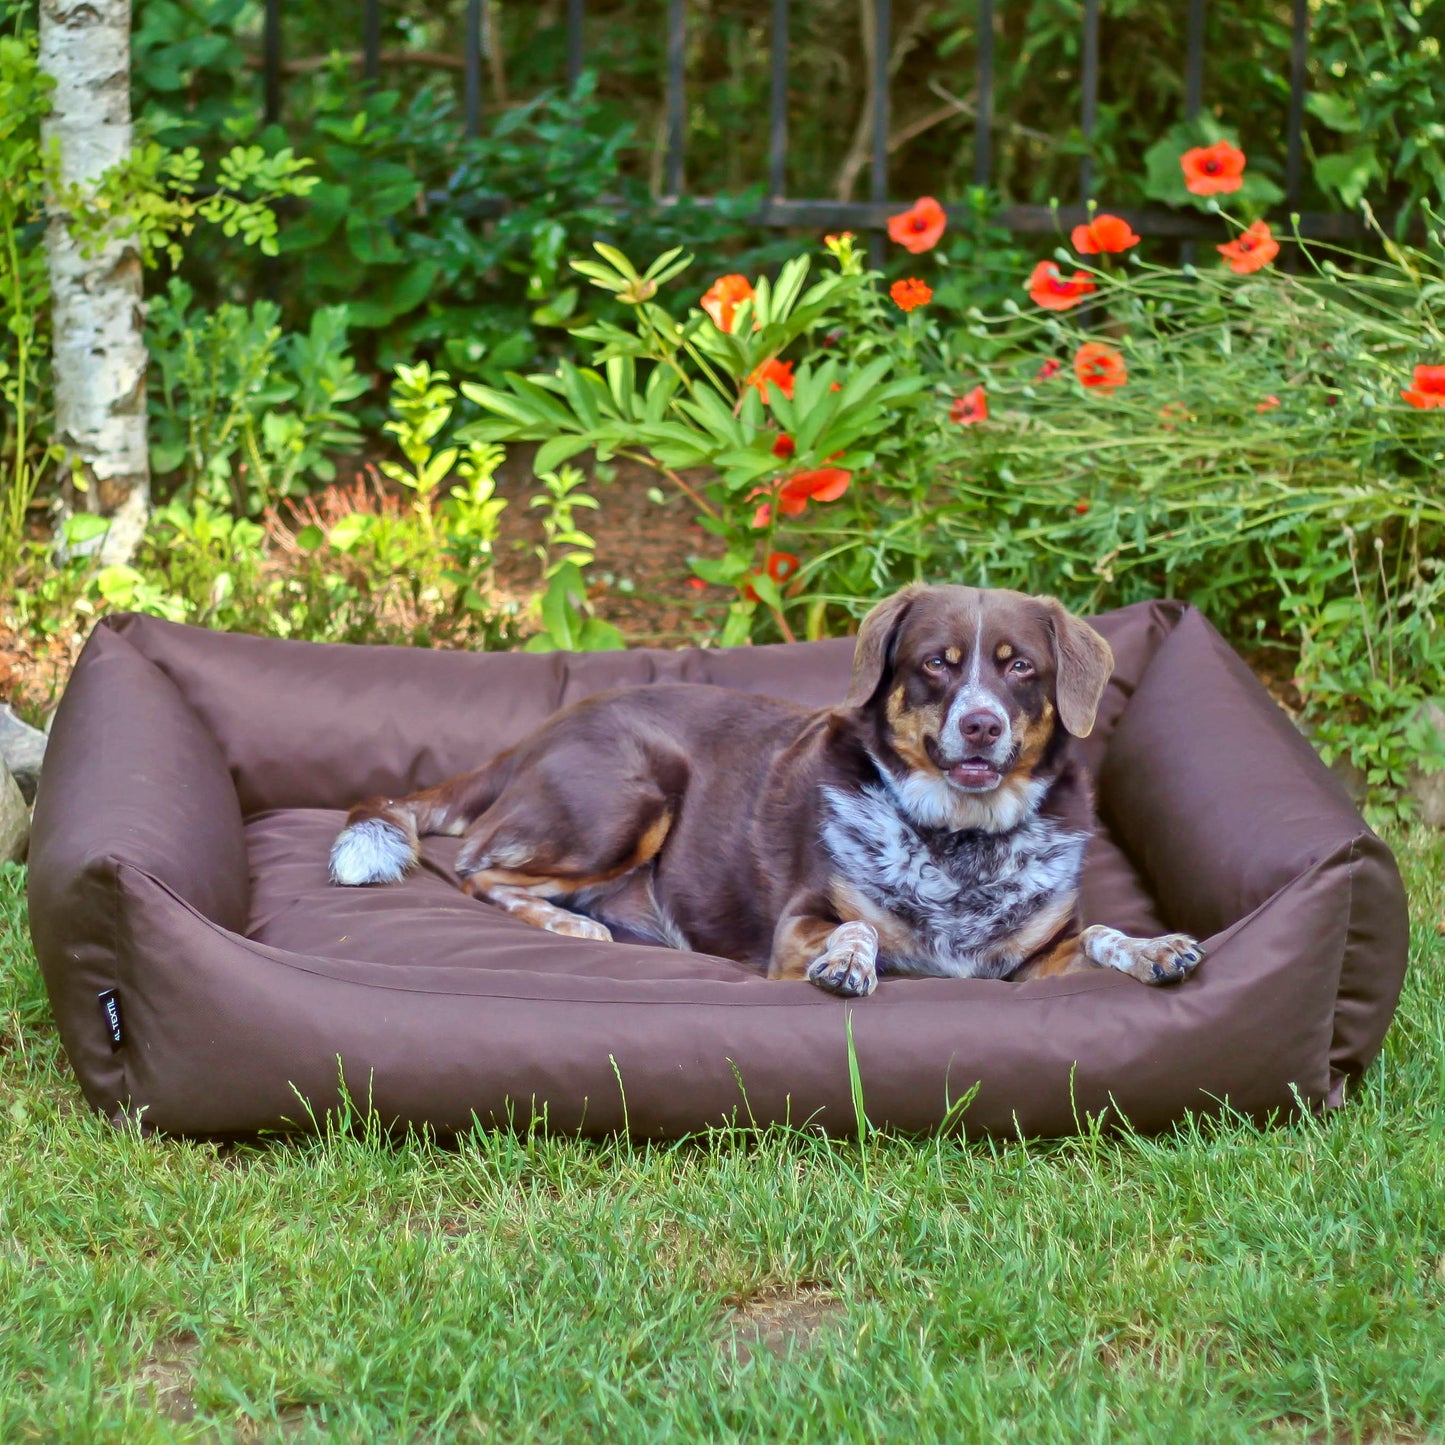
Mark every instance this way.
x=209 y=980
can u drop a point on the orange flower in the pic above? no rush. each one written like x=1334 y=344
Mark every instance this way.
x=910 y=292
x=780 y=566
x=1268 y=404
x=1429 y=388
x=824 y=485
x=1104 y=233
x=784 y=446
x=723 y=297
x=1213 y=170
x=918 y=228
x=779 y=373
x=1097 y=365
x=1251 y=250
x=1047 y=288
x=971 y=408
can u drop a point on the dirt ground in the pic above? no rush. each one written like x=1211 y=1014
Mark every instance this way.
x=641 y=576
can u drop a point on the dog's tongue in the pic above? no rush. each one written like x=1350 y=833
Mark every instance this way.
x=974 y=773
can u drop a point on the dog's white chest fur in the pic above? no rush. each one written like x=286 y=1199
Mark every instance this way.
x=965 y=904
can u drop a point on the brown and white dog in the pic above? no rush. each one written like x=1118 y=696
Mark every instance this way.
x=933 y=824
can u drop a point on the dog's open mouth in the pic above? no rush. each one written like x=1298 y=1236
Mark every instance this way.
x=975 y=775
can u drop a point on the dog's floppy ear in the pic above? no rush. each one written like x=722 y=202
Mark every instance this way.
x=1084 y=663
x=875 y=644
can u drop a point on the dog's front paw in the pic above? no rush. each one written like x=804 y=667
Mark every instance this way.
x=850 y=964
x=1170 y=958
x=1166 y=959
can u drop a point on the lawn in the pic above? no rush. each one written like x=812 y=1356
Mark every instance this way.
x=1215 y=1284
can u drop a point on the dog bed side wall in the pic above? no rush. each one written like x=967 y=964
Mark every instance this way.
x=320 y=725
x=131 y=776
x=1220 y=801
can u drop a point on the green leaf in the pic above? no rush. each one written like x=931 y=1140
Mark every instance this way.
x=1349 y=173
x=739 y=625
x=722 y=570
x=767 y=589
x=1338 y=112
x=612 y=254
x=560 y=449
x=599 y=636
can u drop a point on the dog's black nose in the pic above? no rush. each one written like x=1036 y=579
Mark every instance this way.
x=980 y=728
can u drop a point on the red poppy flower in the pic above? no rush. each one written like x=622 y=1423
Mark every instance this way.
x=1251 y=250
x=970 y=408
x=1429 y=388
x=723 y=298
x=779 y=373
x=1081 y=507
x=910 y=292
x=1268 y=404
x=918 y=228
x=1047 y=288
x=785 y=446
x=1052 y=367
x=1100 y=366
x=824 y=485
x=697 y=584
x=1110 y=234
x=780 y=566
x=1213 y=170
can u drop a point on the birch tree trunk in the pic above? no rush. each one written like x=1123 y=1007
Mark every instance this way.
x=100 y=356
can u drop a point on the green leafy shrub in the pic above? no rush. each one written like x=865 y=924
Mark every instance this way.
x=243 y=413
x=443 y=247
x=358 y=563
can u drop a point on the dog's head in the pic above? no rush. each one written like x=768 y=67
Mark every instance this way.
x=967 y=693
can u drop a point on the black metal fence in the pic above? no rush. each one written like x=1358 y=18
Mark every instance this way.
x=782 y=211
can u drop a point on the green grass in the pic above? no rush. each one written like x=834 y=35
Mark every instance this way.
x=1220 y=1283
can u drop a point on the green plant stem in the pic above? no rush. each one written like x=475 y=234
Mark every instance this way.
x=697 y=500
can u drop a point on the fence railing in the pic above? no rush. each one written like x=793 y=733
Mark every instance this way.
x=782 y=211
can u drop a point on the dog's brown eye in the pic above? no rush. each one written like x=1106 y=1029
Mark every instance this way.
x=934 y=664
x=1021 y=666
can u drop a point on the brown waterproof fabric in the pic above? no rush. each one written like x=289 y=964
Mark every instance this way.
x=195 y=780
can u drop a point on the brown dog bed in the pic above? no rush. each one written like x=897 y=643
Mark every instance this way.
x=207 y=977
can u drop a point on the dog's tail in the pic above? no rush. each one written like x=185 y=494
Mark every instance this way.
x=381 y=841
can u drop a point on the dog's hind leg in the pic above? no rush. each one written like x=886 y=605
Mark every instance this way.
x=381 y=840
x=524 y=904
x=568 y=831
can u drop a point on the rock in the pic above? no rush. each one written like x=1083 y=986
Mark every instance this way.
x=1428 y=789
x=22 y=750
x=14 y=819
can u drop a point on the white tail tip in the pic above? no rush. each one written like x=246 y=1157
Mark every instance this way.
x=372 y=851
